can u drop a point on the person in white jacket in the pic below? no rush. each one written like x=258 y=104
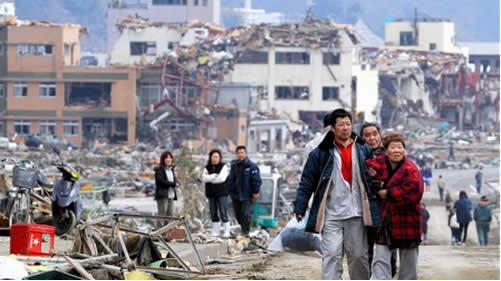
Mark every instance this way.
x=214 y=176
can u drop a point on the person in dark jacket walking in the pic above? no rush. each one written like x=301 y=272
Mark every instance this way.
x=483 y=217
x=336 y=174
x=463 y=214
x=166 y=184
x=426 y=216
x=244 y=184
x=214 y=175
x=478 y=179
x=400 y=209
x=371 y=134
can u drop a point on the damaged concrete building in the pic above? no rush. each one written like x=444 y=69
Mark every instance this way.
x=159 y=11
x=45 y=91
x=301 y=70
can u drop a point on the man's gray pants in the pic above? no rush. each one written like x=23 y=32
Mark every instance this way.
x=347 y=235
x=381 y=264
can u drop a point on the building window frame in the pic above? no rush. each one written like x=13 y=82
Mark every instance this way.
x=254 y=57
x=71 y=128
x=329 y=58
x=407 y=38
x=3 y=93
x=150 y=94
x=22 y=127
x=292 y=93
x=330 y=93
x=292 y=58
x=47 y=90
x=34 y=49
x=20 y=89
x=140 y=48
x=170 y=2
x=48 y=127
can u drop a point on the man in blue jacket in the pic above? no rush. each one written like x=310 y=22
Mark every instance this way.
x=244 y=183
x=337 y=175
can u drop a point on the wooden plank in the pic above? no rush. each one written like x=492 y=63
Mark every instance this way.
x=79 y=268
x=124 y=249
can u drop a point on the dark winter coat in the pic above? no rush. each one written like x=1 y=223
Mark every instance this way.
x=482 y=213
x=162 y=184
x=242 y=185
x=426 y=216
x=463 y=209
x=315 y=178
x=215 y=189
x=402 y=205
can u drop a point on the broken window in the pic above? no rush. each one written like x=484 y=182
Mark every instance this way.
x=181 y=126
x=22 y=127
x=330 y=93
x=150 y=94
x=433 y=46
x=86 y=94
x=169 y=2
x=34 y=50
x=330 y=58
x=20 y=89
x=70 y=128
x=47 y=90
x=292 y=93
x=292 y=58
x=48 y=127
x=485 y=65
x=254 y=57
x=67 y=49
x=406 y=38
x=189 y=95
x=173 y=44
x=2 y=90
x=143 y=48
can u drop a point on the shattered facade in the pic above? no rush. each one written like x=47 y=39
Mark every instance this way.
x=434 y=85
x=47 y=92
x=160 y=11
x=302 y=70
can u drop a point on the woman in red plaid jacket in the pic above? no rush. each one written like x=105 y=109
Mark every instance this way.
x=400 y=198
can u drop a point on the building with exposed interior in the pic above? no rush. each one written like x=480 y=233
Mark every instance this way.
x=160 y=11
x=45 y=91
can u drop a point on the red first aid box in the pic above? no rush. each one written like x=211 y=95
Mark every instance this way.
x=31 y=239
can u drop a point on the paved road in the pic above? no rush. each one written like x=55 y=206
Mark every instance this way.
x=464 y=180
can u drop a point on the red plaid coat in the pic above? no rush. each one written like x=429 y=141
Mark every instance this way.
x=405 y=189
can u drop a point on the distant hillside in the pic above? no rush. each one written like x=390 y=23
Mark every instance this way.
x=475 y=20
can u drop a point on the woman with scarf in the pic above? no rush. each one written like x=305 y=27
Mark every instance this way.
x=216 y=190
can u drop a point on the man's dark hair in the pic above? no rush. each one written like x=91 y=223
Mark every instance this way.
x=241 y=147
x=367 y=125
x=327 y=119
x=338 y=113
x=462 y=193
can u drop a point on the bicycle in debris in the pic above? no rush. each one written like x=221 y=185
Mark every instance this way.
x=24 y=178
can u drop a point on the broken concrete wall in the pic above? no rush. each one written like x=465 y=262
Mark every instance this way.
x=143 y=45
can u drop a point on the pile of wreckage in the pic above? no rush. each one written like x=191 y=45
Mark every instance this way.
x=423 y=85
x=109 y=247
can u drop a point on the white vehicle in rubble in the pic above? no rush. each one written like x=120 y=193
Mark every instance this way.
x=271 y=205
